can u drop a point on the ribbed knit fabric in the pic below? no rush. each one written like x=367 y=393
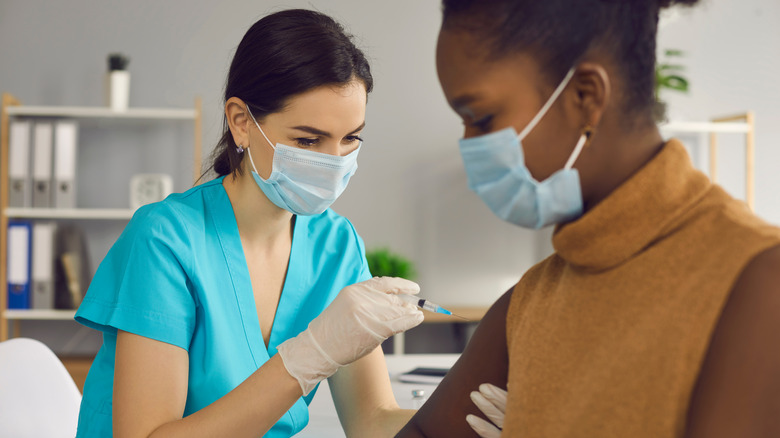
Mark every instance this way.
x=607 y=336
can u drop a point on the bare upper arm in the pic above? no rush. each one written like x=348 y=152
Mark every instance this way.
x=485 y=360
x=738 y=390
x=150 y=384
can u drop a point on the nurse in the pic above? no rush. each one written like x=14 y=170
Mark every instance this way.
x=658 y=313
x=223 y=307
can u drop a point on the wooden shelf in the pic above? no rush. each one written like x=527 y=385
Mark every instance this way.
x=472 y=314
x=102 y=112
x=70 y=213
x=706 y=127
x=33 y=314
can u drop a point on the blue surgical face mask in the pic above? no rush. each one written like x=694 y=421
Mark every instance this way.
x=496 y=170
x=304 y=182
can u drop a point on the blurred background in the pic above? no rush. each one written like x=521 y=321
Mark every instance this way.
x=410 y=194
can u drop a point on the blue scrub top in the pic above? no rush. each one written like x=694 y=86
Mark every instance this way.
x=178 y=274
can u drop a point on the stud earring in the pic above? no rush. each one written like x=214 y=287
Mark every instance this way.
x=587 y=131
x=240 y=149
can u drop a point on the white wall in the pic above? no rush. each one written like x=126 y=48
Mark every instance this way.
x=732 y=62
x=410 y=191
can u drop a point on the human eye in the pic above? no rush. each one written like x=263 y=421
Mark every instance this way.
x=304 y=142
x=483 y=124
x=353 y=138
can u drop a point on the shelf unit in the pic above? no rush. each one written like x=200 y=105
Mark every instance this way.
x=12 y=107
x=69 y=213
x=737 y=124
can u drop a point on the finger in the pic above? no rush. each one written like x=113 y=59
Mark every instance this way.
x=496 y=395
x=393 y=285
x=405 y=302
x=488 y=408
x=406 y=322
x=482 y=427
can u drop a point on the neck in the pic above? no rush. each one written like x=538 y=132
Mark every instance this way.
x=259 y=220
x=617 y=155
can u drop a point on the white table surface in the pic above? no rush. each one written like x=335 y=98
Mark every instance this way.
x=323 y=420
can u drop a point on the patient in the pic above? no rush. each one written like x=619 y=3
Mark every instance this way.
x=657 y=314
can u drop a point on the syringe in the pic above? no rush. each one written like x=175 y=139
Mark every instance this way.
x=427 y=305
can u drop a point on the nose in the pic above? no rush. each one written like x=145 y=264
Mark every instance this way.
x=337 y=149
x=331 y=147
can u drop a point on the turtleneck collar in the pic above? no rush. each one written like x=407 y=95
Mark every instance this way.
x=634 y=215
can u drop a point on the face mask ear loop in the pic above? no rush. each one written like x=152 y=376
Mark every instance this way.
x=249 y=153
x=261 y=129
x=576 y=153
x=547 y=105
x=584 y=140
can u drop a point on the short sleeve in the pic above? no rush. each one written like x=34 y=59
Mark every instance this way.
x=142 y=285
x=364 y=272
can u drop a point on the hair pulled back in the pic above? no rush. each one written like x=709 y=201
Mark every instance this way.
x=560 y=32
x=282 y=55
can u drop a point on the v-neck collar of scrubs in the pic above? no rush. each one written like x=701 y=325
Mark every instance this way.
x=292 y=290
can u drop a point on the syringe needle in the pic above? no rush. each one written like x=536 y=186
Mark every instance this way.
x=461 y=317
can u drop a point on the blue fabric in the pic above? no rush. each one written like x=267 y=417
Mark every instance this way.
x=178 y=274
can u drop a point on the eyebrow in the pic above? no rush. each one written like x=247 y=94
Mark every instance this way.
x=315 y=131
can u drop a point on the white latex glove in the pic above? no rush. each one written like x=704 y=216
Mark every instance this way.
x=491 y=400
x=354 y=324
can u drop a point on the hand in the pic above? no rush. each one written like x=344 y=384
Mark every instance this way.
x=354 y=324
x=491 y=400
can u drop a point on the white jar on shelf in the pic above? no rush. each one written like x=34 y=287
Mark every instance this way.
x=117 y=86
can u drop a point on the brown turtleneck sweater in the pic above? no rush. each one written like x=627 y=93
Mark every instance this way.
x=607 y=336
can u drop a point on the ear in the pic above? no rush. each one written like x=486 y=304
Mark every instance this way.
x=593 y=91
x=238 y=120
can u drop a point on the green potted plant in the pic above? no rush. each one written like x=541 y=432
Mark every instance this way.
x=385 y=263
x=668 y=75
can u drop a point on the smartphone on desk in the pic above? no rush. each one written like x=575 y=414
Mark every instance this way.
x=428 y=375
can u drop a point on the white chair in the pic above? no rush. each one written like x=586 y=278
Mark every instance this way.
x=38 y=397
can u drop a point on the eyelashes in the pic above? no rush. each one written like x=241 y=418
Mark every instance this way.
x=305 y=142
x=483 y=124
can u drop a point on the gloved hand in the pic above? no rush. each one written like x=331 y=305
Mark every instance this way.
x=491 y=400
x=354 y=324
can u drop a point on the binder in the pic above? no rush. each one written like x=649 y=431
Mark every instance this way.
x=42 y=295
x=72 y=271
x=42 y=153
x=20 y=182
x=19 y=241
x=65 y=143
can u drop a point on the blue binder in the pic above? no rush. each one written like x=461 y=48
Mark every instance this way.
x=19 y=264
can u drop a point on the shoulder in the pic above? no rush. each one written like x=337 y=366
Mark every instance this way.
x=718 y=212
x=179 y=211
x=738 y=391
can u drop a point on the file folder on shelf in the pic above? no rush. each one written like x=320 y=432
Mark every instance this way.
x=42 y=154
x=42 y=295
x=72 y=271
x=19 y=241
x=20 y=182
x=65 y=144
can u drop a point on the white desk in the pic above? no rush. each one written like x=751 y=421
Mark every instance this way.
x=323 y=420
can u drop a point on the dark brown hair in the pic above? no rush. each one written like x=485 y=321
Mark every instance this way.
x=282 y=55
